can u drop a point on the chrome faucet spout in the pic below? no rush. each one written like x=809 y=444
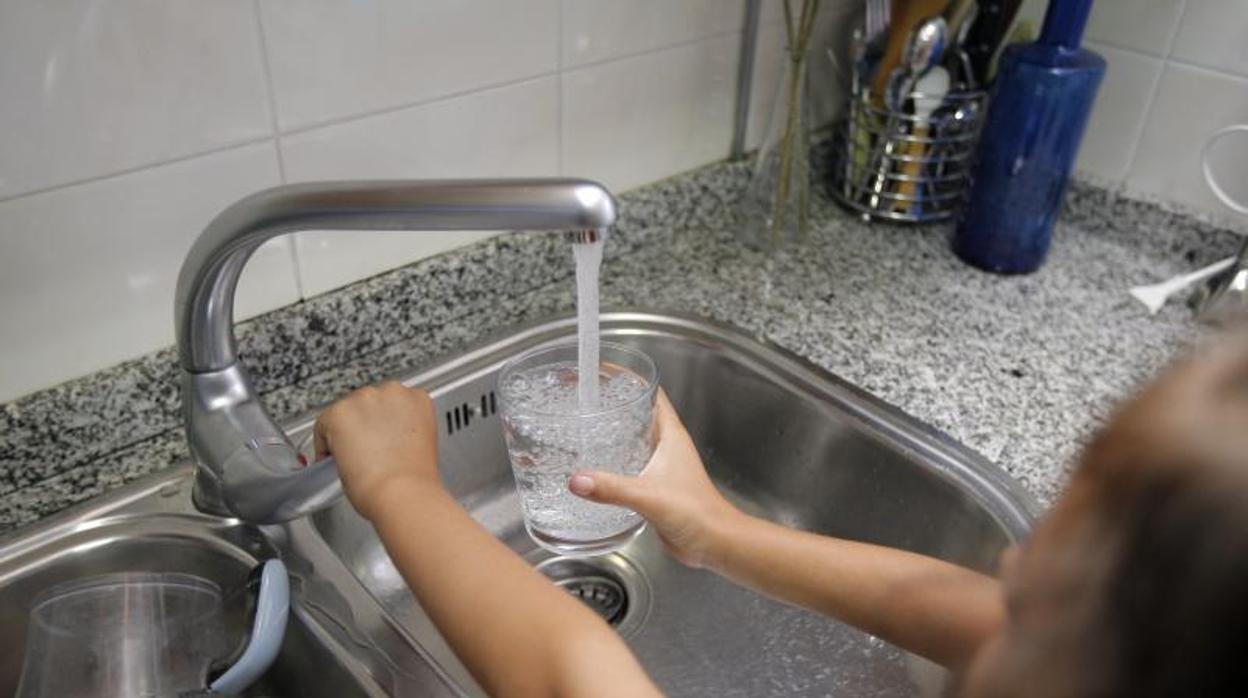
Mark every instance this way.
x=247 y=467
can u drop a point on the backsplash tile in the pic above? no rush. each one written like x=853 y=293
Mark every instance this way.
x=1214 y=33
x=1146 y=26
x=1191 y=105
x=1199 y=48
x=639 y=119
x=114 y=97
x=597 y=30
x=95 y=88
x=505 y=132
x=331 y=59
x=1121 y=108
x=88 y=272
x=768 y=74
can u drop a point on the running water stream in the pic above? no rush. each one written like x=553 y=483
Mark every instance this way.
x=588 y=257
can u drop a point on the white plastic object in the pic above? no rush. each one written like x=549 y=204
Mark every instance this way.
x=1226 y=199
x=267 y=632
x=1155 y=295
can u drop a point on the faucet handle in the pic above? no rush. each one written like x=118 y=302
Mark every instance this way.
x=247 y=467
x=265 y=482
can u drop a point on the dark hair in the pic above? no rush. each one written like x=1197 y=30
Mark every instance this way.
x=1147 y=588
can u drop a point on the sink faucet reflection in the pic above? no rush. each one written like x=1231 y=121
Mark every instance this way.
x=247 y=468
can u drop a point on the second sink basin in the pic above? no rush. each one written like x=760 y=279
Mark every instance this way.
x=151 y=527
x=786 y=441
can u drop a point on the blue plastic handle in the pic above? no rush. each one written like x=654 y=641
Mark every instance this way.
x=267 y=632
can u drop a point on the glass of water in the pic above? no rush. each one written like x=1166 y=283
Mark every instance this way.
x=549 y=437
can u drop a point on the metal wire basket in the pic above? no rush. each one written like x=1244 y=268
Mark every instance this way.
x=907 y=165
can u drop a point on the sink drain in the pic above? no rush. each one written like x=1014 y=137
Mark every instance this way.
x=604 y=596
x=610 y=586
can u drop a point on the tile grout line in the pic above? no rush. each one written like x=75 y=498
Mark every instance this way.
x=279 y=135
x=1151 y=101
x=266 y=70
x=270 y=137
x=557 y=72
x=657 y=49
x=360 y=116
x=215 y=150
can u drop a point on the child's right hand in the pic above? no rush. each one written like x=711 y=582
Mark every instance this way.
x=384 y=437
x=673 y=493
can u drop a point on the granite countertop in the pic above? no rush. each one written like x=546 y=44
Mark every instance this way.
x=1019 y=368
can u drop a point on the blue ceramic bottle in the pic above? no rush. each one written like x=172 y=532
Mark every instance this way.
x=1039 y=109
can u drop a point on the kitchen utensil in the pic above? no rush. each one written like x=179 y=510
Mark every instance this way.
x=943 y=175
x=926 y=48
x=990 y=28
x=961 y=18
x=1154 y=296
x=905 y=16
x=1041 y=104
x=929 y=94
x=145 y=634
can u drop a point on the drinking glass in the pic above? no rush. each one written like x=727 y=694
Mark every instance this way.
x=549 y=437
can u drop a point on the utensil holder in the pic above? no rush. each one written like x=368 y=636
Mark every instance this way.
x=891 y=165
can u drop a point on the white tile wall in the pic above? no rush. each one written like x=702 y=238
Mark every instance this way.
x=1191 y=104
x=596 y=30
x=1146 y=26
x=642 y=118
x=332 y=59
x=88 y=271
x=1178 y=73
x=828 y=85
x=1109 y=143
x=125 y=125
x=93 y=88
x=459 y=137
x=1214 y=34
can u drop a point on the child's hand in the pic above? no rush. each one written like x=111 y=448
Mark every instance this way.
x=380 y=436
x=673 y=493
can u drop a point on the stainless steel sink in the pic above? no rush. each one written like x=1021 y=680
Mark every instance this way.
x=784 y=439
x=151 y=526
x=787 y=441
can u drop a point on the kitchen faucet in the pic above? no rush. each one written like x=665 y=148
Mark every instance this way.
x=246 y=467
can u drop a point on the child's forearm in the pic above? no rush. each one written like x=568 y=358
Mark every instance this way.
x=924 y=605
x=514 y=631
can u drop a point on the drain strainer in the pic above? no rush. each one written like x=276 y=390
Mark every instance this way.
x=610 y=586
x=604 y=596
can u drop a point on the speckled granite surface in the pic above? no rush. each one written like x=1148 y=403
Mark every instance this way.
x=1019 y=368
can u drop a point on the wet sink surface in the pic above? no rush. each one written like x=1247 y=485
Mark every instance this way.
x=785 y=441
x=153 y=529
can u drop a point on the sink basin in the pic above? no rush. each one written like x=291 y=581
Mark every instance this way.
x=786 y=441
x=782 y=438
x=153 y=528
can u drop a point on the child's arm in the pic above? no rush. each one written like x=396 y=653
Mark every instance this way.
x=515 y=631
x=933 y=608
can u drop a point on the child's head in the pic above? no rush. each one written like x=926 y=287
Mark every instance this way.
x=1136 y=584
